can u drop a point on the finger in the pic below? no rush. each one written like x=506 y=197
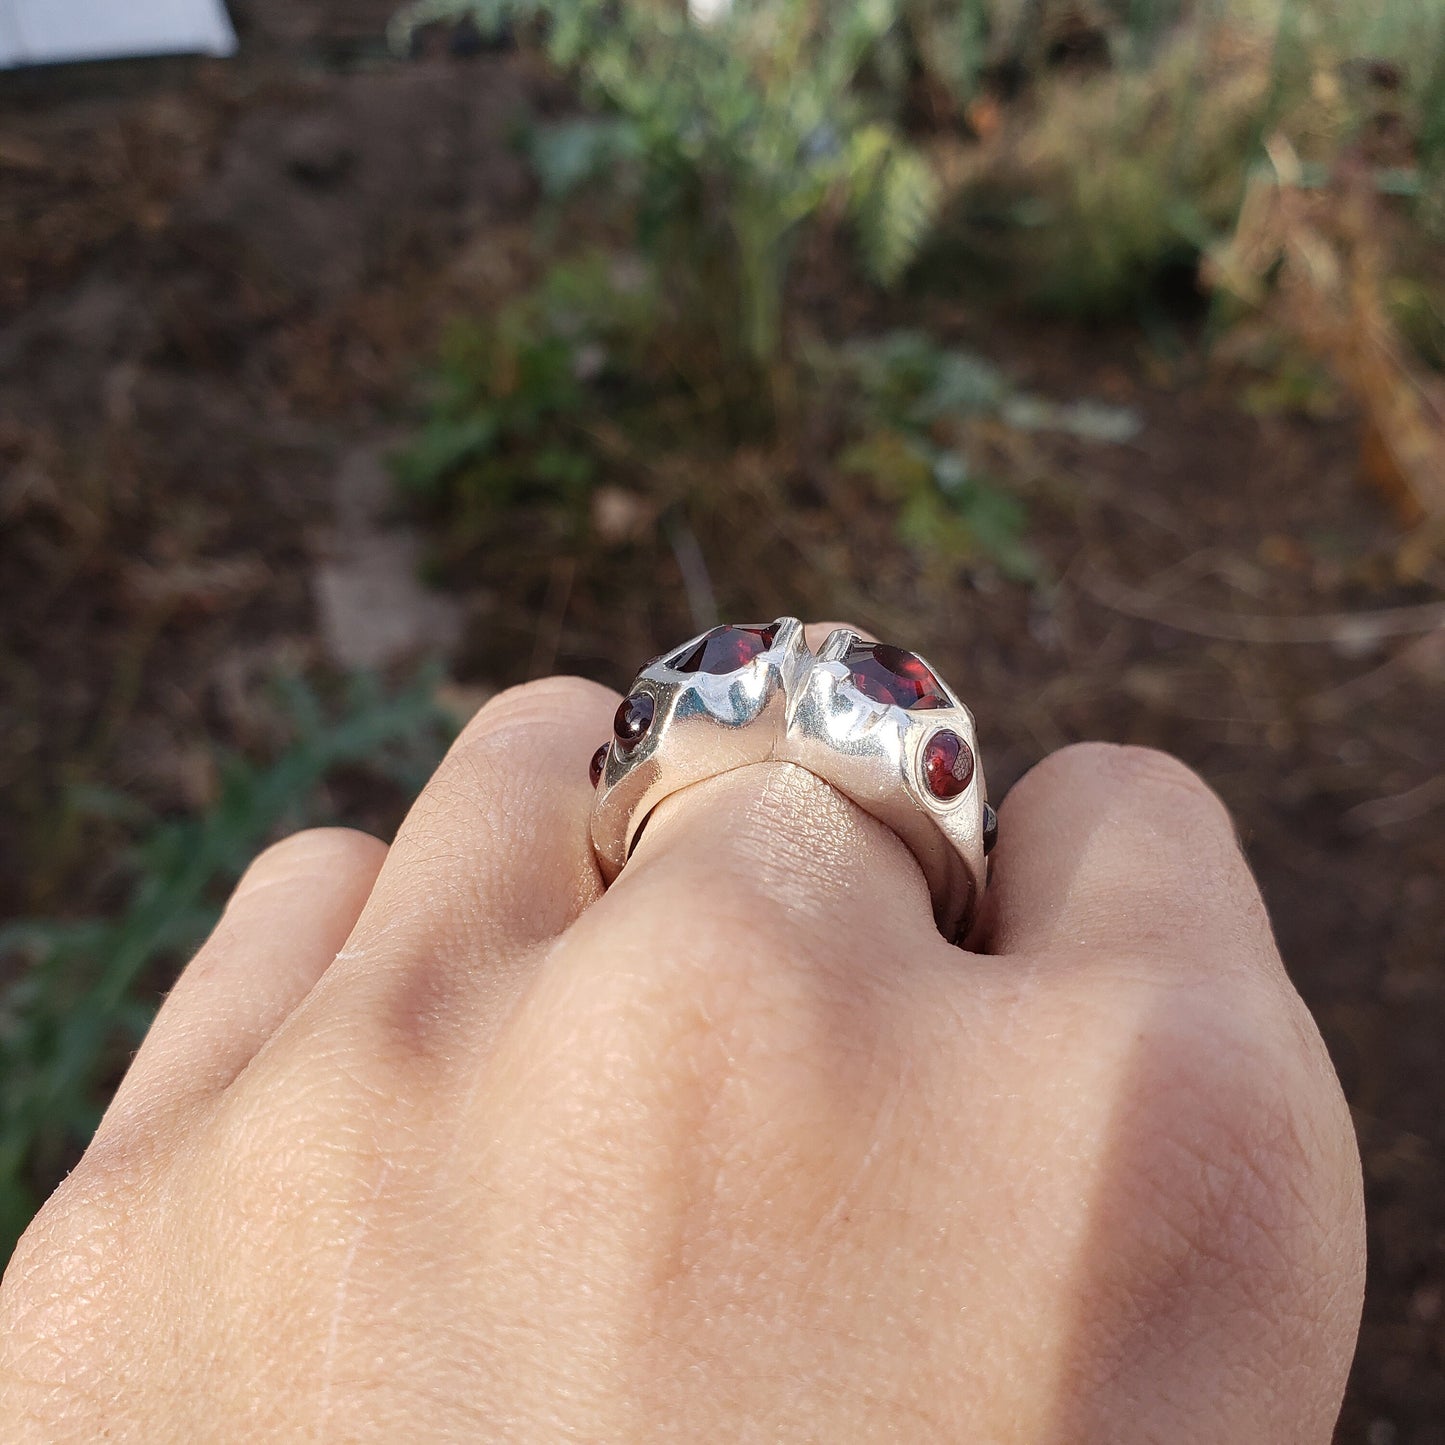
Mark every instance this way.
x=495 y=858
x=499 y=837
x=493 y=861
x=774 y=843
x=814 y=633
x=289 y=915
x=786 y=858
x=1124 y=849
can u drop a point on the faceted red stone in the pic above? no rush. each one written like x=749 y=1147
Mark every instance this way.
x=633 y=718
x=725 y=649
x=599 y=761
x=888 y=674
x=947 y=764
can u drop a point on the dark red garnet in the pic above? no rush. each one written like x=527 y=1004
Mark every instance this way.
x=947 y=764
x=599 y=761
x=725 y=649
x=990 y=828
x=888 y=674
x=633 y=719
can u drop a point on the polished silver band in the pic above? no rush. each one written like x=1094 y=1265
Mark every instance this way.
x=877 y=724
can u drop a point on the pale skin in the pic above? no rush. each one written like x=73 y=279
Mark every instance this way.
x=443 y=1143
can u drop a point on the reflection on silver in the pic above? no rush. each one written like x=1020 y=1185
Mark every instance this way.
x=790 y=705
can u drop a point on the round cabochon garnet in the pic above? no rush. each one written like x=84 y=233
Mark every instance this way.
x=599 y=761
x=634 y=717
x=947 y=764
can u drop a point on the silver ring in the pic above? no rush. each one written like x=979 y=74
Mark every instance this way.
x=874 y=722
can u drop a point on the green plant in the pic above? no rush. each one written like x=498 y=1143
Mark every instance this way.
x=742 y=129
x=920 y=398
x=514 y=403
x=950 y=42
x=1128 y=173
x=1104 y=181
x=923 y=401
x=1419 y=311
x=85 y=989
x=1361 y=60
x=946 y=511
x=932 y=61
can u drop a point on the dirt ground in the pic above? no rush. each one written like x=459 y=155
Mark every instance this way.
x=216 y=280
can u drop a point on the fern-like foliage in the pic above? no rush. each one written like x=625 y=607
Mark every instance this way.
x=895 y=200
x=742 y=129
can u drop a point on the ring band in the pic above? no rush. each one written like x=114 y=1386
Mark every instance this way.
x=874 y=722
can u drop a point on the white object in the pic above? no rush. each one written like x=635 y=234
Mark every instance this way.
x=38 y=32
x=708 y=12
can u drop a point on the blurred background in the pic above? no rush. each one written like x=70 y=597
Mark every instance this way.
x=1096 y=348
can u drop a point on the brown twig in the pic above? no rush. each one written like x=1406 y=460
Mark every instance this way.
x=1398 y=807
x=1420 y=657
x=1338 y=628
x=554 y=613
x=696 y=580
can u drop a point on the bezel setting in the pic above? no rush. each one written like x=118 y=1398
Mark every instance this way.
x=858 y=714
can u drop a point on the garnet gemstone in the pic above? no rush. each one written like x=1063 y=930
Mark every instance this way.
x=634 y=717
x=947 y=764
x=888 y=674
x=599 y=761
x=990 y=828
x=725 y=649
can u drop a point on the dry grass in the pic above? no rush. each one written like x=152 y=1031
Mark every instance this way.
x=1316 y=261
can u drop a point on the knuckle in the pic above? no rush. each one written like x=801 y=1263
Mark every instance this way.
x=1137 y=772
x=542 y=700
x=1147 y=770
x=308 y=853
x=483 y=758
x=1147 y=805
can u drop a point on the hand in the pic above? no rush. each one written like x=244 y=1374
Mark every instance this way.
x=443 y=1144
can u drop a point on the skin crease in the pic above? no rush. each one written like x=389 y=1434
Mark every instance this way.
x=443 y=1144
